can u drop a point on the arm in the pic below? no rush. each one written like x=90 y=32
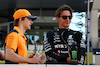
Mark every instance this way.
x=82 y=49
x=50 y=52
x=12 y=41
x=1 y=55
x=12 y=56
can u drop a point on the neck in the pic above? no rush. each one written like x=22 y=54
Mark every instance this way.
x=63 y=27
x=22 y=29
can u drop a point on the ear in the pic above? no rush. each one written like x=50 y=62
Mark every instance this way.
x=57 y=18
x=20 y=19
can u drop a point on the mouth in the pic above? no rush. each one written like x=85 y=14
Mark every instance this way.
x=67 y=22
x=30 y=25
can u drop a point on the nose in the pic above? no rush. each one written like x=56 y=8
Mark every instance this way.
x=31 y=22
x=67 y=18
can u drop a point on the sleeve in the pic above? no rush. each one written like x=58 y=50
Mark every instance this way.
x=81 y=48
x=49 y=50
x=12 y=41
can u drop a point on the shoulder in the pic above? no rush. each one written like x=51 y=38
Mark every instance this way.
x=76 y=32
x=51 y=32
x=12 y=35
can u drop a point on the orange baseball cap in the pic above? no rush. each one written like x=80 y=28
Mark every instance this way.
x=23 y=13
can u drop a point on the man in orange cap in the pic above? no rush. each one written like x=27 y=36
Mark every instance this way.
x=16 y=45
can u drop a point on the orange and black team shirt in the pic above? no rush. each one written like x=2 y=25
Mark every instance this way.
x=17 y=42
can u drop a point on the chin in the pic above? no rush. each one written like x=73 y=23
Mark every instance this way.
x=66 y=25
x=28 y=28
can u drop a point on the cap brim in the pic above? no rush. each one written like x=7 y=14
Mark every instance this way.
x=32 y=17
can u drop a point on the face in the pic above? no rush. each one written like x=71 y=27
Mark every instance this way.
x=27 y=23
x=64 y=19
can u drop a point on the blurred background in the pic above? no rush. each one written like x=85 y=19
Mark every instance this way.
x=46 y=21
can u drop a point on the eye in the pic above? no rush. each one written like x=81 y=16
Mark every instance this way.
x=29 y=19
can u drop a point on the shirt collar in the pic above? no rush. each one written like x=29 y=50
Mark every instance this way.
x=20 y=32
x=62 y=29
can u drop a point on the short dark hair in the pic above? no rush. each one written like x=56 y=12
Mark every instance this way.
x=17 y=20
x=62 y=8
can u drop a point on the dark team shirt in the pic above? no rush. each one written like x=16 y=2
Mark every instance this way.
x=56 y=49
